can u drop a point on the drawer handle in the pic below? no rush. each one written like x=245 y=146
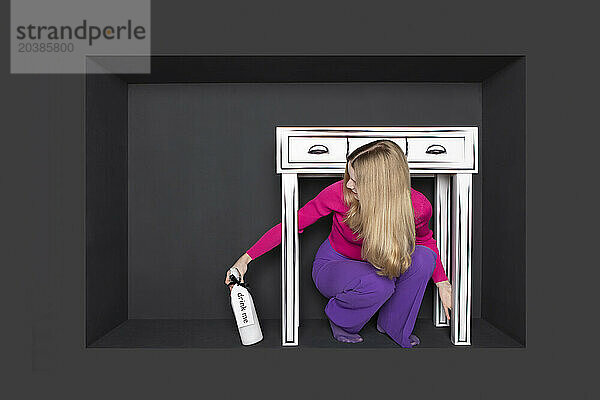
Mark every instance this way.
x=318 y=149
x=436 y=149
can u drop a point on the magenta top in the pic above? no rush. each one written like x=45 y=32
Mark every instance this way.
x=342 y=238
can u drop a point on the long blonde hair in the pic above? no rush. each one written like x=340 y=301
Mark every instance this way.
x=384 y=216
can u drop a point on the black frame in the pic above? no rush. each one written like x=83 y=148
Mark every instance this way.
x=502 y=162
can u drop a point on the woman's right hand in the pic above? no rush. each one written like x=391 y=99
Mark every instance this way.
x=242 y=266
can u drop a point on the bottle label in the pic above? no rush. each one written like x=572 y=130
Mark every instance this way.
x=240 y=301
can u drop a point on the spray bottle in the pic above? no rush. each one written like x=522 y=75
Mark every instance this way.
x=244 y=310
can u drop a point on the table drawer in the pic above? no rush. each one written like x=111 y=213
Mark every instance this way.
x=317 y=149
x=354 y=143
x=436 y=149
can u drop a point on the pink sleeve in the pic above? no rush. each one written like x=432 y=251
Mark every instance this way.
x=316 y=208
x=424 y=235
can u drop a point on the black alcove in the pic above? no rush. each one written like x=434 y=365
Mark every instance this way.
x=181 y=180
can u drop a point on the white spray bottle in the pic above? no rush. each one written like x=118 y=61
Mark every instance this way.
x=244 y=310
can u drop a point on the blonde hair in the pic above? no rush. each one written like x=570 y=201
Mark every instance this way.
x=384 y=216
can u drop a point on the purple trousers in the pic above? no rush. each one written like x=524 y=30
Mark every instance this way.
x=356 y=292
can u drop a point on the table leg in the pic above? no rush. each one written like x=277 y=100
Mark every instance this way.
x=443 y=232
x=289 y=260
x=460 y=324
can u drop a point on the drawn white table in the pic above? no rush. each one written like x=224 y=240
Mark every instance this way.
x=449 y=154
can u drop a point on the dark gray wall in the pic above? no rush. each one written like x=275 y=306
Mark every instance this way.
x=503 y=280
x=106 y=204
x=45 y=199
x=321 y=68
x=203 y=187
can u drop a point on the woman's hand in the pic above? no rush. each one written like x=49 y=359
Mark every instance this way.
x=242 y=266
x=445 y=292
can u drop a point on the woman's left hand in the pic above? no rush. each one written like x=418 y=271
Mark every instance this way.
x=445 y=292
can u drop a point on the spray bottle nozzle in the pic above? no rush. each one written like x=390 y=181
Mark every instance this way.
x=234 y=277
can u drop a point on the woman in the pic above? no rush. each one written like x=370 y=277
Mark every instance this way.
x=380 y=253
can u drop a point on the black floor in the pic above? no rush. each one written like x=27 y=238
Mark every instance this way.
x=314 y=333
